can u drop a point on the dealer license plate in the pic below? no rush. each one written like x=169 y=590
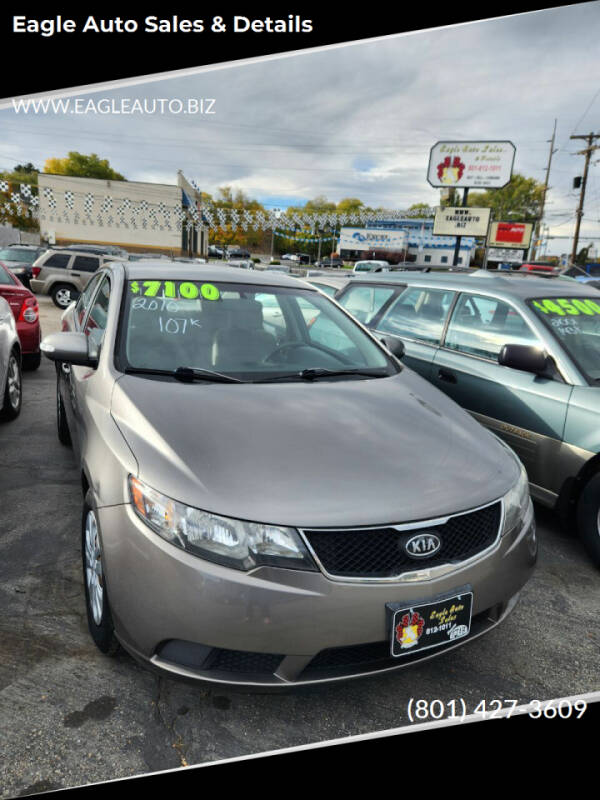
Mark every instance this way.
x=430 y=624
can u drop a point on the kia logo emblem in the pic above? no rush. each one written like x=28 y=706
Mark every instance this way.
x=422 y=545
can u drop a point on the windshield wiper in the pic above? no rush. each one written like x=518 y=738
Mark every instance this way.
x=185 y=374
x=321 y=372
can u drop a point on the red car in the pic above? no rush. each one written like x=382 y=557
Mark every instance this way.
x=25 y=308
x=533 y=266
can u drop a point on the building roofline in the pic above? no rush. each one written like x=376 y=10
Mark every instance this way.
x=112 y=180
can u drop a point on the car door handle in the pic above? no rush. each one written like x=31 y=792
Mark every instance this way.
x=446 y=375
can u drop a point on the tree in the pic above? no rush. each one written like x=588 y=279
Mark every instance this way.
x=26 y=169
x=319 y=205
x=520 y=199
x=238 y=201
x=349 y=205
x=81 y=166
x=424 y=207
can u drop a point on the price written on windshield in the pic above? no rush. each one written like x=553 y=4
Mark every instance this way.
x=186 y=289
x=563 y=306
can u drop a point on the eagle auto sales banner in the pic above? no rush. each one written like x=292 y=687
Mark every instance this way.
x=485 y=165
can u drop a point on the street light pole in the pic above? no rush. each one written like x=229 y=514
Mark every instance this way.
x=277 y=215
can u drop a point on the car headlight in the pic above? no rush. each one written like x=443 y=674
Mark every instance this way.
x=517 y=501
x=231 y=542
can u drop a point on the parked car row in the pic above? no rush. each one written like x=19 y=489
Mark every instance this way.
x=230 y=253
x=205 y=405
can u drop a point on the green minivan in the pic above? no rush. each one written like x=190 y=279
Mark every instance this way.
x=522 y=354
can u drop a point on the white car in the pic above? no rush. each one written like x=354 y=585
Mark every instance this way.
x=242 y=263
x=371 y=266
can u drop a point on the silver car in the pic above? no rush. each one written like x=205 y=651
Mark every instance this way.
x=10 y=364
x=275 y=504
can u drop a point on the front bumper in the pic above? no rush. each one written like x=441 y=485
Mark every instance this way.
x=275 y=627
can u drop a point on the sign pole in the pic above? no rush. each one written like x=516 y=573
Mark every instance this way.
x=487 y=242
x=458 y=238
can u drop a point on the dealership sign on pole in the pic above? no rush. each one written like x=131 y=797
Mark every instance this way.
x=511 y=234
x=461 y=221
x=372 y=239
x=508 y=256
x=481 y=165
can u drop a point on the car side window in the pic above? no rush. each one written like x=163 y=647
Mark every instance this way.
x=273 y=318
x=60 y=260
x=86 y=263
x=96 y=321
x=365 y=302
x=83 y=303
x=418 y=313
x=329 y=290
x=480 y=326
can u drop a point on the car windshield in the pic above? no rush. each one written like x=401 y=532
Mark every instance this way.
x=365 y=266
x=246 y=331
x=12 y=254
x=575 y=322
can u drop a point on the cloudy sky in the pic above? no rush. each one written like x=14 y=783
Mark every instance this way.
x=360 y=120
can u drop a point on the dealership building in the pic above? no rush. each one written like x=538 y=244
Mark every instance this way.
x=409 y=239
x=137 y=216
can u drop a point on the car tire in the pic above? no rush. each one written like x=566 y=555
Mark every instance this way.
x=99 y=616
x=13 y=391
x=62 y=426
x=32 y=361
x=588 y=518
x=62 y=295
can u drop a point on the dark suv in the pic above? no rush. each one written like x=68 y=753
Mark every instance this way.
x=18 y=258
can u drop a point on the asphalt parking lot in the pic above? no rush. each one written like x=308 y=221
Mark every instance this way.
x=69 y=715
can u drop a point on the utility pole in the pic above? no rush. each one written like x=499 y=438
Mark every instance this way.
x=538 y=225
x=587 y=152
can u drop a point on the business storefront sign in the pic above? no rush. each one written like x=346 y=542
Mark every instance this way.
x=482 y=165
x=459 y=221
x=508 y=256
x=511 y=234
x=372 y=239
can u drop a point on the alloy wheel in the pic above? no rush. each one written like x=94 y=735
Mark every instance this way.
x=63 y=297
x=93 y=568
x=14 y=383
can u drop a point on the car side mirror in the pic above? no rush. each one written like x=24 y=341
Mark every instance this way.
x=395 y=346
x=70 y=347
x=524 y=357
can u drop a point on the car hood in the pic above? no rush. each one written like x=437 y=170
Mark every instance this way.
x=321 y=454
